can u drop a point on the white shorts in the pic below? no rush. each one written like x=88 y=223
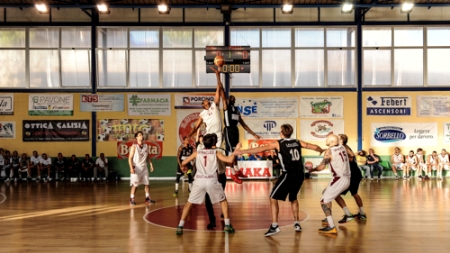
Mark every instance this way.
x=140 y=177
x=445 y=167
x=202 y=186
x=414 y=167
x=335 y=188
x=399 y=166
x=434 y=167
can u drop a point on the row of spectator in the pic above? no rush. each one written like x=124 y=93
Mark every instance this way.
x=43 y=168
x=414 y=163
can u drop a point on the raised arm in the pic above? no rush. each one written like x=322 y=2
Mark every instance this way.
x=271 y=146
x=311 y=146
x=197 y=126
x=241 y=121
x=219 y=88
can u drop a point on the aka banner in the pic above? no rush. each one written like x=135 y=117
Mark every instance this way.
x=154 y=149
x=124 y=129
x=55 y=130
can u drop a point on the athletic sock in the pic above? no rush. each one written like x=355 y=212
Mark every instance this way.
x=147 y=195
x=190 y=186
x=361 y=210
x=176 y=186
x=181 y=224
x=227 y=222
x=132 y=196
x=330 y=221
x=274 y=224
x=346 y=211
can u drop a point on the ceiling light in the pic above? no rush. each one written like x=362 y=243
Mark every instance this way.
x=102 y=8
x=287 y=9
x=163 y=9
x=347 y=8
x=407 y=7
x=42 y=8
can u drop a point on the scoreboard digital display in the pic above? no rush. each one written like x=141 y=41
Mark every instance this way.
x=236 y=58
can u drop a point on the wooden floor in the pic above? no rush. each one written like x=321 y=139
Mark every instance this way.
x=403 y=216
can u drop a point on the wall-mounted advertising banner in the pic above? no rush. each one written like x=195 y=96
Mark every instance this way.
x=404 y=134
x=260 y=143
x=186 y=120
x=102 y=102
x=274 y=107
x=388 y=105
x=433 y=106
x=253 y=169
x=6 y=104
x=321 y=107
x=192 y=101
x=318 y=130
x=149 y=104
x=55 y=130
x=447 y=132
x=269 y=129
x=124 y=129
x=50 y=105
x=7 y=129
x=155 y=149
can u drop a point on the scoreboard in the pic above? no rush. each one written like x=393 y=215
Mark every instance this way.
x=237 y=58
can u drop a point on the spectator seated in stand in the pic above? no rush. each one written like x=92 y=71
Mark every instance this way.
x=362 y=162
x=101 y=168
x=60 y=165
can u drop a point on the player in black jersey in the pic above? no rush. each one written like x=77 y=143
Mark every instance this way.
x=290 y=181
x=184 y=151
x=232 y=117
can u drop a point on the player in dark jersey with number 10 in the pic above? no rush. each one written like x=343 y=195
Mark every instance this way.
x=289 y=183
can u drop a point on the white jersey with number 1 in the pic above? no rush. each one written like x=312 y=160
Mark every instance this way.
x=206 y=164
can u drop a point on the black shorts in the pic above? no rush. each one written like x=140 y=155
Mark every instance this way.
x=231 y=136
x=287 y=184
x=355 y=179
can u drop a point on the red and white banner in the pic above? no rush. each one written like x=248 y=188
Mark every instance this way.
x=318 y=130
x=254 y=169
x=155 y=149
x=191 y=101
x=186 y=120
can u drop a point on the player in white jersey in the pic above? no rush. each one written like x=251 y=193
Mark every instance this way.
x=443 y=163
x=337 y=159
x=137 y=160
x=421 y=164
x=211 y=116
x=397 y=162
x=411 y=164
x=432 y=164
x=33 y=164
x=206 y=162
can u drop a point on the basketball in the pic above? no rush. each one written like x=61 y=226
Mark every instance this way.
x=308 y=165
x=219 y=61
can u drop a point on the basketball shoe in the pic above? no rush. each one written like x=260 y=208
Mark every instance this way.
x=132 y=202
x=361 y=216
x=328 y=230
x=346 y=219
x=297 y=227
x=325 y=222
x=229 y=229
x=179 y=230
x=149 y=201
x=240 y=174
x=272 y=230
x=236 y=179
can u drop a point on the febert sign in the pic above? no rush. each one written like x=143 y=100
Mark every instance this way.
x=154 y=149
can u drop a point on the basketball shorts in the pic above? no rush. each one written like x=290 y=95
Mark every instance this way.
x=335 y=188
x=202 y=186
x=414 y=167
x=445 y=167
x=287 y=184
x=398 y=166
x=140 y=177
x=355 y=179
x=231 y=136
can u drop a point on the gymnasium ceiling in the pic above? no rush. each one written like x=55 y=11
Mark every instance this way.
x=215 y=3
